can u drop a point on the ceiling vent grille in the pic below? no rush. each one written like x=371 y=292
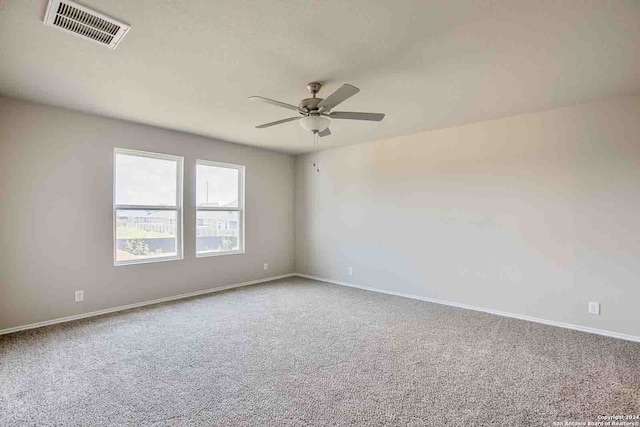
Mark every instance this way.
x=81 y=21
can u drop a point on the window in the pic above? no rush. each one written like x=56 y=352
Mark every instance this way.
x=219 y=208
x=147 y=207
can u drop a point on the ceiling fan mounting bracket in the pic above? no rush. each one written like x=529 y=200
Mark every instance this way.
x=314 y=87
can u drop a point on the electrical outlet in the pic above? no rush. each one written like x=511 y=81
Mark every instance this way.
x=594 y=308
x=79 y=296
x=265 y=266
x=350 y=271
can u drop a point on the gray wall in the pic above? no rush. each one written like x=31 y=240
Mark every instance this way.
x=534 y=215
x=56 y=188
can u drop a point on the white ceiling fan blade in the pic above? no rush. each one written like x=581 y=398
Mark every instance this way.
x=372 y=117
x=325 y=132
x=266 y=125
x=276 y=103
x=344 y=92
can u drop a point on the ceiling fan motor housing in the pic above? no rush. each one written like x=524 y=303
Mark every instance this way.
x=310 y=104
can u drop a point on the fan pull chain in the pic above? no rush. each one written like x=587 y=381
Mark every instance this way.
x=316 y=165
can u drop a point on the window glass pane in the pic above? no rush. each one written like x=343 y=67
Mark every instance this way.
x=216 y=186
x=217 y=231
x=145 y=181
x=145 y=234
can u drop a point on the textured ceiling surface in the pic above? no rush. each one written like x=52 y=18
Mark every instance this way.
x=190 y=65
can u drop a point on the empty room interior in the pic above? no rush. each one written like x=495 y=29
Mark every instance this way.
x=320 y=213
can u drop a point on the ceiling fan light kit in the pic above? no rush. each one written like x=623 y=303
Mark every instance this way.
x=315 y=113
x=315 y=124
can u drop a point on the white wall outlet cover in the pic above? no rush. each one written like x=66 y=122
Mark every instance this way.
x=266 y=266
x=350 y=271
x=594 y=307
x=79 y=296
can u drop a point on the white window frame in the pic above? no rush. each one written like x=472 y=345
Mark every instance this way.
x=177 y=208
x=239 y=209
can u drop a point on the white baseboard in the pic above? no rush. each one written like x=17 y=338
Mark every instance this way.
x=322 y=279
x=139 y=304
x=484 y=310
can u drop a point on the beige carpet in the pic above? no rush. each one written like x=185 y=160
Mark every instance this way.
x=300 y=352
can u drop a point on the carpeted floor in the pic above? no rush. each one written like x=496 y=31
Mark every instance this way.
x=301 y=352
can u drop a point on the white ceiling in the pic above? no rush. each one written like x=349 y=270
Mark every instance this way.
x=190 y=65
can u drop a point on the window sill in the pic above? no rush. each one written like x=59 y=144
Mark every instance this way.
x=147 y=261
x=212 y=253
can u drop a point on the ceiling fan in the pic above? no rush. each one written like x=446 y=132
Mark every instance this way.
x=315 y=113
